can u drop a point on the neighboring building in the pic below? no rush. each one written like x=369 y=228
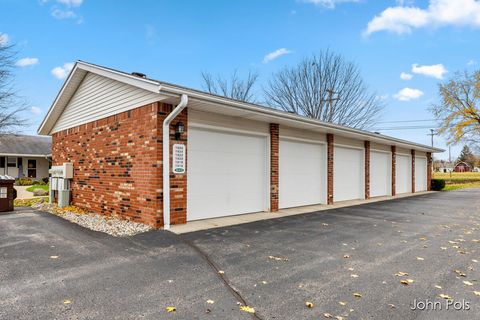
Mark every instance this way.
x=462 y=167
x=25 y=156
x=229 y=157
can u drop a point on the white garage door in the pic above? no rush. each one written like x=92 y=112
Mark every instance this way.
x=420 y=174
x=380 y=173
x=227 y=174
x=404 y=174
x=302 y=173
x=348 y=174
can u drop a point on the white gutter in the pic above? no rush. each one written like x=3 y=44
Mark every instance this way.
x=166 y=158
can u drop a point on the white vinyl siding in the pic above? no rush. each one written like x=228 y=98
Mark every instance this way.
x=404 y=174
x=99 y=97
x=348 y=174
x=380 y=173
x=302 y=173
x=227 y=173
x=420 y=174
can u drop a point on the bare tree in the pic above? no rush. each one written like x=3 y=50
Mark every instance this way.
x=10 y=104
x=458 y=113
x=325 y=87
x=233 y=87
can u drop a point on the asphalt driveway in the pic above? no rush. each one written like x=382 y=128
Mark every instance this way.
x=274 y=266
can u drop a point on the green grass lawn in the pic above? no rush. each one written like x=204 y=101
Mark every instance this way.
x=32 y=188
x=459 y=180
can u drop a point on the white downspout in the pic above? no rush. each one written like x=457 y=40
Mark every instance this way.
x=166 y=159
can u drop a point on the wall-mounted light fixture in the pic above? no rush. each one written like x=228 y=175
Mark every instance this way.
x=179 y=129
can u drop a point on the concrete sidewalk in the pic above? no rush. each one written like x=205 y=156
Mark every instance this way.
x=198 y=225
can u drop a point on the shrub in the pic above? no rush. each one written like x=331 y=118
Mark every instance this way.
x=438 y=184
x=38 y=182
x=24 y=182
x=45 y=180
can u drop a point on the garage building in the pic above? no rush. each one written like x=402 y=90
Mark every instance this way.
x=225 y=157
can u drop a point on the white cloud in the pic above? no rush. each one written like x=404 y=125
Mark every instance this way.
x=4 y=39
x=407 y=94
x=63 y=14
x=330 y=4
x=403 y=19
x=472 y=62
x=36 y=110
x=435 y=71
x=71 y=3
x=25 y=62
x=275 y=54
x=406 y=76
x=62 y=72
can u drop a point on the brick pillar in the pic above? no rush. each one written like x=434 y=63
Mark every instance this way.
x=367 y=169
x=394 y=170
x=429 y=170
x=274 y=145
x=329 y=168
x=178 y=182
x=413 y=171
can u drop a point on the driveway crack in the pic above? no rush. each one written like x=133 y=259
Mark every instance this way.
x=235 y=293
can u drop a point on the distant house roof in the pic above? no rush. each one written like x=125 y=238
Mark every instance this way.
x=23 y=145
x=462 y=163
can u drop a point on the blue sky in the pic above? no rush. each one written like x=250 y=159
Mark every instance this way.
x=176 y=40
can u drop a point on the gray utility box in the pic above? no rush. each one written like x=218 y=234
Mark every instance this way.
x=63 y=198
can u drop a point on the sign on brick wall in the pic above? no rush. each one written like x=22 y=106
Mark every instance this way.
x=178 y=165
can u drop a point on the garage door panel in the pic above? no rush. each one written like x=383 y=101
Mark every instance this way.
x=226 y=174
x=420 y=174
x=380 y=174
x=403 y=174
x=348 y=174
x=302 y=173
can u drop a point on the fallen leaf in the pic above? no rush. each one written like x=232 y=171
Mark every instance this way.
x=277 y=258
x=452 y=242
x=468 y=283
x=67 y=301
x=392 y=306
x=342 y=303
x=346 y=256
x=339 y=318
x=477 y=293
x=247 y=309
x=171 y=309
x=401 y=274
x=445 y=296
x=474 y=260
x=462 y=252
x=221 y=271
x=53 y=257
x=460 y=273
x=309 y=304
x=443 y=248
x=327 y=315
x=407 y=282
x=264 y=282
x=438 y=287
x=351 y=269
x=354 y=275
x=423 y=239
x=357 y=295
x=420 y=258
x=210 y=301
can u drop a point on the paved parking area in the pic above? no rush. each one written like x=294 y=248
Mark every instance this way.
x=274 y=265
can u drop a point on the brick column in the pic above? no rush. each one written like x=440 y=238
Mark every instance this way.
x=178 y=182
x=274 y=145
x=329 y=168
x=413 y=171
x=394 y=170
x=429 y=170
x=367 y=169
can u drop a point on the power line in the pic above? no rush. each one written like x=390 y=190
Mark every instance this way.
x=400 y=121
x=404 y=128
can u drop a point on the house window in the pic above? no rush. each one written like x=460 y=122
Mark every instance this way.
x=32 y=168
x=2 y=162
x=3 y=192
x=11 y=162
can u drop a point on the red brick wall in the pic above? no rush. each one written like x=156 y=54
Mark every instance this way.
x=274 y=145
x=413 y=171
x=367 y=169
x=118 y=165
x=394 y=170
x=329 y=168
x=429 y=171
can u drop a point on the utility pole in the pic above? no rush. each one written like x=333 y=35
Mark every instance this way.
x=432 y=133
x=330 y=101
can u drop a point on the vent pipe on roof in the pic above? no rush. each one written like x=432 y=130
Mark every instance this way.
x=139 y=74
x=166 y=159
